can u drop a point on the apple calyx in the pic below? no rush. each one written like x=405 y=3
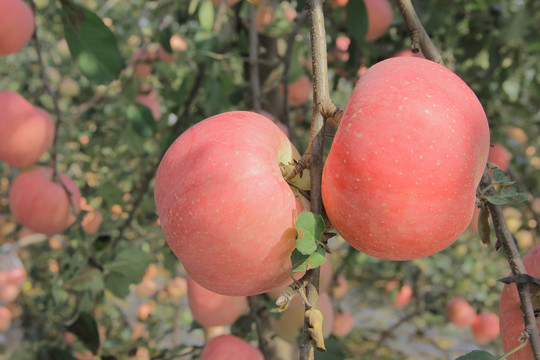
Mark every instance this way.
x=296 y=174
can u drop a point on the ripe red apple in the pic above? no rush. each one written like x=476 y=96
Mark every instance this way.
x=340 y=288
x=400 y=180
x=485 y=327
x=211 y=309
x=342 y=47
x=299 y=91
x=510 y=314
x=340 y=3
x=26 y=132
x=144 y=310
x=379 y=13
x=225 y=208
x=92 y=221
x=16 y=26
x=142 y=60
x=178 y=43
x=41 y=204
x=343 y=323
x=499 y=155
x=402 y=296
x=151 y=101
x=16 y=276
x=230 y=347
x=460 y=312
x=5 y=318
x=9 y=293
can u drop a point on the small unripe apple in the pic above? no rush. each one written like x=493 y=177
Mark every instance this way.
x=16 y=26
x=460 y=312
x=26 y=132
x=69 y=88
x=41 y=204
x=178 y=43
x=485 y=327
x=144 y=310
x=63 y=48
x=209 y=192
x=229 y=347
x=412 y=133
x=211 y=309
x=92 y=221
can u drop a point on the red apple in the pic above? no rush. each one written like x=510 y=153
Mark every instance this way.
x=510 y=314
x=485 y=327
x=177 y=287
x=340 y=288
x=151 y=101
x=460 y=312
x=225 y=209
x=229 y=347
x=299 y=91
x=5 y=318
x=400 y=180
x=339 y=3
x=343 y=323
x=144 y=310
x=379 y=13
x=92 y=221
x=178 y=43
x=499 y=155
x=26 y=132
x=342 y=47
x=3 y=278
x=9 y=293
x=41 y=204
x=16 y=26
x=211 y=309
x=402 y=296
x=16 y=276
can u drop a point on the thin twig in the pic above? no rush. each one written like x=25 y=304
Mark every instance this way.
x=261 y=317
x=516 y=266
x=420 y=40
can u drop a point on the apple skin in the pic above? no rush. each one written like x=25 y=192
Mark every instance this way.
x=26 y=132
x=400 y=180
x=5 y=318
x=299 y=91
x=343 y=323
x=460 y=312
x=380 y=16
x=485 y=327
x=211 y=309
x=499 y=155
x=151 y=101
x=16 y=26
x=340 y=288
x=510 y=314
x=41 y=204
x=400 y=297
x=225 y=209
x=230 y=347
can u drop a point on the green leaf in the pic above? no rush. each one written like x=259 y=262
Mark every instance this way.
x=299 y=261
x=500 y=177
x=310 y=228
x=91 y=279
x=317 y=258
x=477 y=355
x=127 y=268
x=333 y=351
x=51 y=352
x=357 y=20
x=142 y=121
x=206 y=15
x=509 y=194
x=165 y=39
x=91 y=43
x=85 y=327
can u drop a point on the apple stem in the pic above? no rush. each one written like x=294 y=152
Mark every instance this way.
x=420 y=40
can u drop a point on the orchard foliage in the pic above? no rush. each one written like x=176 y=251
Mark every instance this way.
x=123 y=79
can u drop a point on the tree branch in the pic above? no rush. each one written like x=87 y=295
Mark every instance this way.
x=419 y=37
x=516 y=265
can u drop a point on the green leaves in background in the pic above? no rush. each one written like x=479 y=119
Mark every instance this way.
x=357 y=20
x=165 y=39
x=91 y=43
x=309 y=251
x=85 y=327
x=141 y=120
x=127 y=268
